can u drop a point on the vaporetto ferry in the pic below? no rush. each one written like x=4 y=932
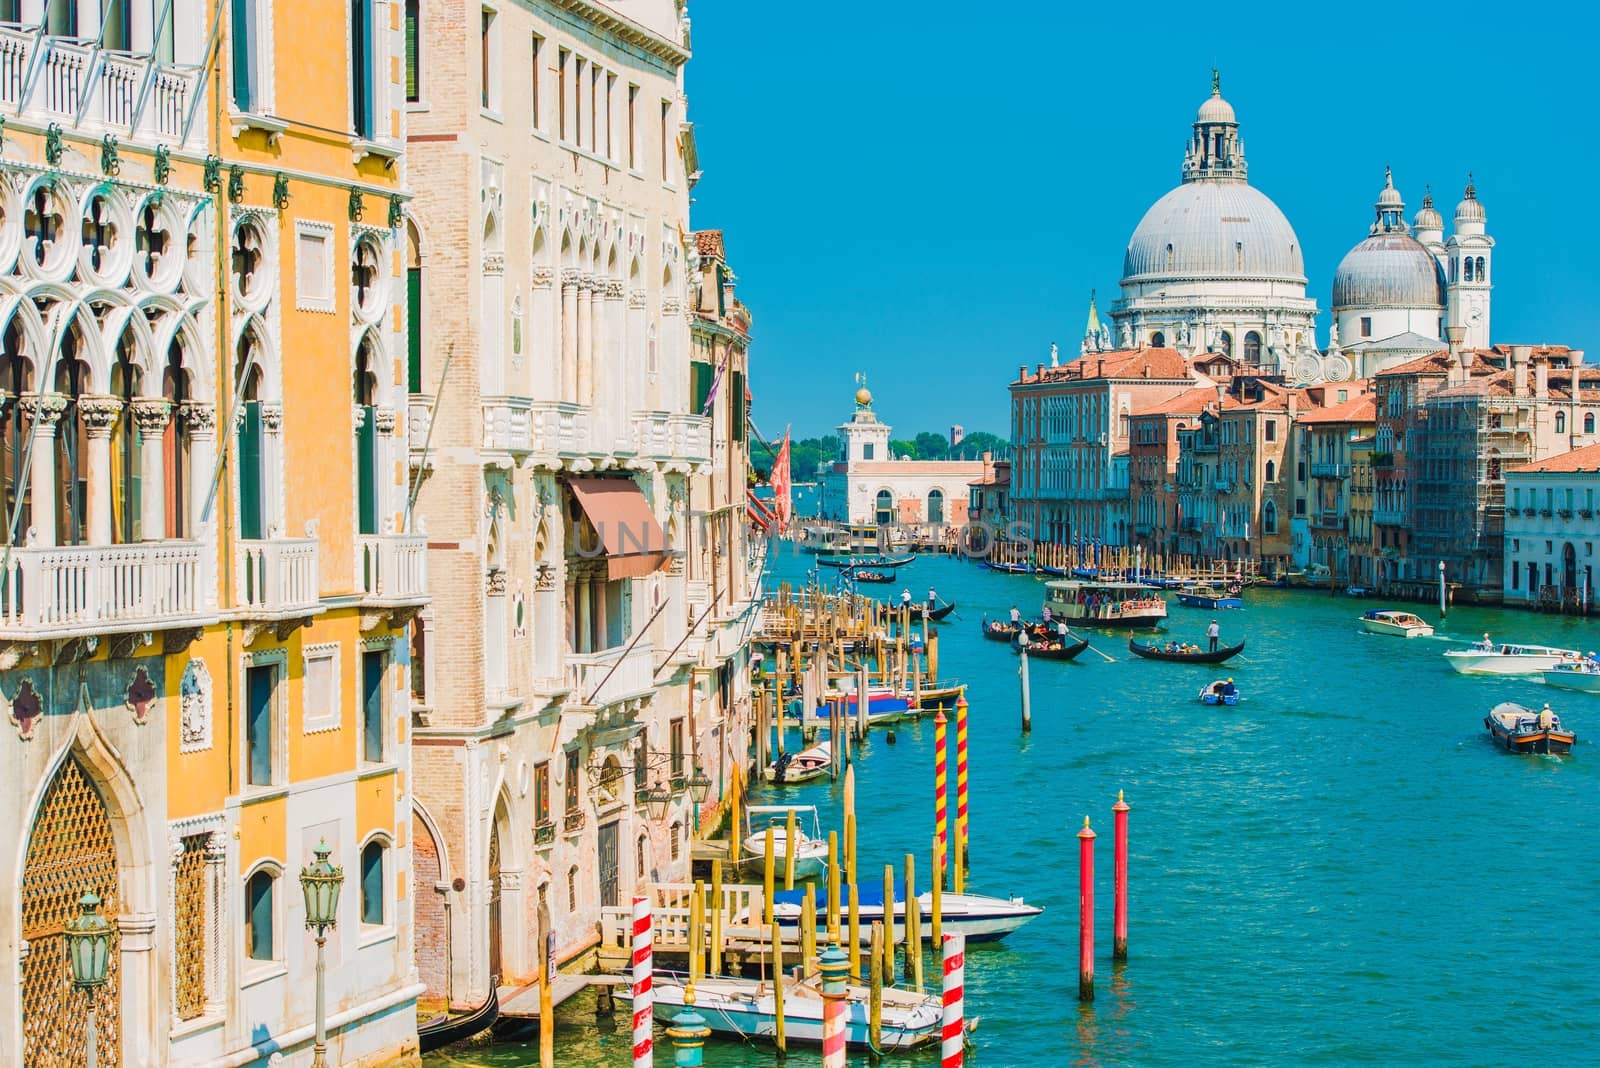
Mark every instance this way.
x=1097 y=603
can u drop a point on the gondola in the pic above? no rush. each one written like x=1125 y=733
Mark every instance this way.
x=1056 y=649
x=863 y=561
x=868 y=575
x=1000 y=630
x=1010 y=569
x=1151 y=652
x=920 y=611
x=445 y=1030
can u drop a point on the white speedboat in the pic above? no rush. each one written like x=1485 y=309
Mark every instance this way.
x=1575 y=675
x=1396 y=623
x=745 y=1009
x=979 y=918
x=810 y=848
x=1507 y=659
x=804 y=766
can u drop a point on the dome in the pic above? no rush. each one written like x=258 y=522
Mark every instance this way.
x=1214 y=229
x=1471 y=208
x=1389 y=270
x=1428 y=218
x=1215 y=109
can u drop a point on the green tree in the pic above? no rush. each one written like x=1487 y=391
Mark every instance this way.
x=975 y=444
x=899 y=448
x=931 y=446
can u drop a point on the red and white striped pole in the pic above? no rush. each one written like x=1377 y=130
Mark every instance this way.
x=952 y=1029
x=1086 y=912
x=835 y=966
x=1119 y=933
x=643 y=995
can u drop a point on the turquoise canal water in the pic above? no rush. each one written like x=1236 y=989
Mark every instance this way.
x=1341 y=870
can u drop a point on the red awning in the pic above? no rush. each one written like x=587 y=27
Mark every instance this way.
x=634 y=543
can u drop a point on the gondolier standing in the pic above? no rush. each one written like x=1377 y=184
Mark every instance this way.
x=1016 y=616
x=905 y=598
x=1212 y=632
x=933 y=599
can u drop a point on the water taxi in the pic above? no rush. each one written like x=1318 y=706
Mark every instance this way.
x=804 y=766
x=979 y=918
x=1396 y=623
x=810 y=848
x=1486 y=658
x=1211 y=596
x=1522 y=730
x=1102 y=603
x=1575 y=675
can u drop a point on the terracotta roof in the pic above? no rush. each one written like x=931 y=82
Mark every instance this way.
x=1121 y=363
x=1575 y=462
x=709 y=243
x=1191 y=403
x=1362 y=409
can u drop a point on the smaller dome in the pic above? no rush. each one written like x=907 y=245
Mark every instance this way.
x=1390 y=196
x=1389 y=270
x=1471 y=208
x=863 y=396
x=1428 y=218
x=1215 y=109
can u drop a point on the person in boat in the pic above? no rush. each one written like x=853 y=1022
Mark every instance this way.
x=1546 y=717
x=905 y=598
x=1172 y=647
x=1047 y=614
x=1016 y=616
x=1229 y=689
x=1486 y=645
x=933 y=599
x=1213 y=632
x=1062 y=628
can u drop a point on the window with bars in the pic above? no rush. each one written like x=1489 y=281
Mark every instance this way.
x=189 y=924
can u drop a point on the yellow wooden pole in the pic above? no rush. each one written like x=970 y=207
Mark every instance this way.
x=789 y=852
x=888 y=920
x=808 y=930
x=697 y=920
x=850 y=847
x=767 y=877
x=716 y=917
x=935 y=909
x=960 y=858
x=875 y=987
x=855 y=933
x=833 y=886
x=777 y=989
x=913 y=925
x=735 y=793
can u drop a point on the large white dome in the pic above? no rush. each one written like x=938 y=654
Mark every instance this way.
x=1392 y=270
x=1214 y=230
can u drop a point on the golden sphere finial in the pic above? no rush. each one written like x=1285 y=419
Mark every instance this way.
x=863 y=396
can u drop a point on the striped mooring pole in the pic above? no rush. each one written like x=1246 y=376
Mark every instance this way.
x=643 y=993
x=1086 y=912
x=962 y=838
x=940 y=785
x=688 y=1033
x=952 y=1028
x=834 y=965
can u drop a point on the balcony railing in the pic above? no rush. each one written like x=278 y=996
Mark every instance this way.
x=560 y=429
x=508 y=424
x=394 y=569
x=691 y=437
x=87 y=589
x=1330 y=470
x=1389 y=517
x=277 y=578
x=66 y=79
x=613 y=675
x=652 y=434
x=419 y=418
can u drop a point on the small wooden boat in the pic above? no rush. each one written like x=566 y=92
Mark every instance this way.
x=979 y=918
x=1221 y=692
x=1575 y=675
x=810 y=848
x=1010 y=569
x=1522 y=730
x=1053 y=572
x=1396 y=623
x=921 y=611
x=804 y=766
x=1053 y=647
x=1211 y=596
x=864 y=574
x=745 y=1009
x=1197 y=656
x=1489 y=659
x=864 y=561
x=1001 y=630
x=443 y=1031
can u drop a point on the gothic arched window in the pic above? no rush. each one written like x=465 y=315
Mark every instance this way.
x=1467 y=276
x=1158 y=339
x=1483 y=270
x=1252 y=348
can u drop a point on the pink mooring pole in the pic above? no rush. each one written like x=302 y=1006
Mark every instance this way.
x=952 y=1028
x=643 y=995
x=1086 y=912
x=1119 y=933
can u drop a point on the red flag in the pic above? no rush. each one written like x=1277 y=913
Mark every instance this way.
x=780 y=484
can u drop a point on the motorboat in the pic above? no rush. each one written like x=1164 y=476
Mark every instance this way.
x=1396 y=623
x=1211 y=596
x=884 y=705
x=1104 y=603
x=1486 y=658
x=804 y=766
x=1184 y=654
x=745 y=1009
x=1522 y=730
x=809 y=847
x=1575 y=675
x=979 y=918
x=1221 y=692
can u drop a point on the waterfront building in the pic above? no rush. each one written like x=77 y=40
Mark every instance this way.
x=1154 y=454
x=869 y=485
x=1071 y=428
x=987 y=500
x=1363 y=566
x=1328 y=434
x=557 y=448
x=1551 y=531
x=202 y=657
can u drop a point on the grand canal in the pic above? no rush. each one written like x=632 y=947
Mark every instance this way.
x=1341 y=870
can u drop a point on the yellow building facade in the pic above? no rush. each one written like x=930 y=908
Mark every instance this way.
x=211 y=563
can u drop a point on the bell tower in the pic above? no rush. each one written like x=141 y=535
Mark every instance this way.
x=1468 y=253
x=863 y=439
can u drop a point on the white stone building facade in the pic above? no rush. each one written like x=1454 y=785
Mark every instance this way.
x=867 y=485
x=1552 y=531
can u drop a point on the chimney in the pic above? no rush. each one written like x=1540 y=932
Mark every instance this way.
x=1222 y=391
x=1147 y=370
x=1292 y=399
x=1100 y=368
x=1460 y=362
x=1541 y=378
x=1519 y=369
x=1022 y=372
x=1039 y=372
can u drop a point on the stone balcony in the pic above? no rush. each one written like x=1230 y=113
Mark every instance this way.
x=83 y=86
x=508 y=425
x=561 y=434
x=612 y=676
x=277 y=584
x=1330 y=470
x=666 y=437
x=392 y=577
x=81 y=591
x=691 y=438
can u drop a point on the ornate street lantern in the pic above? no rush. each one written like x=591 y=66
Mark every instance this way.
x=656 y=802
x=699 y=786
x=89 y=943
x=320 y=881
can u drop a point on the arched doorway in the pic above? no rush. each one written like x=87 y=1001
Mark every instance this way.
x=885 y=508
x=935 y=506
x=71 y=852
x=495 y=968
x=1569 y=567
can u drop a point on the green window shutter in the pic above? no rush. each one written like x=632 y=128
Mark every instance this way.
x=250 y=472
x=241 y=35
x=699 y=387
x=414 y=330
x=413 y=51
x=372 y=667
x=361 y=66
x=367 y=469
x=258 y=725
x=736 y=410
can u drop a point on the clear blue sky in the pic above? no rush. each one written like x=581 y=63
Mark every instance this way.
x=926 y=193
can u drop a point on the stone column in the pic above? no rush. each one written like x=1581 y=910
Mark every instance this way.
x=674 y=359
x=386 y=420
x=99 y=414
x=152 y=414
x=586 y=340
x=540 y=351
x=641 y=383
x=217 y=931
x=569 y=334
x=615 y=374
x=272 y=469
x=44 y=410
x=200 y=420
